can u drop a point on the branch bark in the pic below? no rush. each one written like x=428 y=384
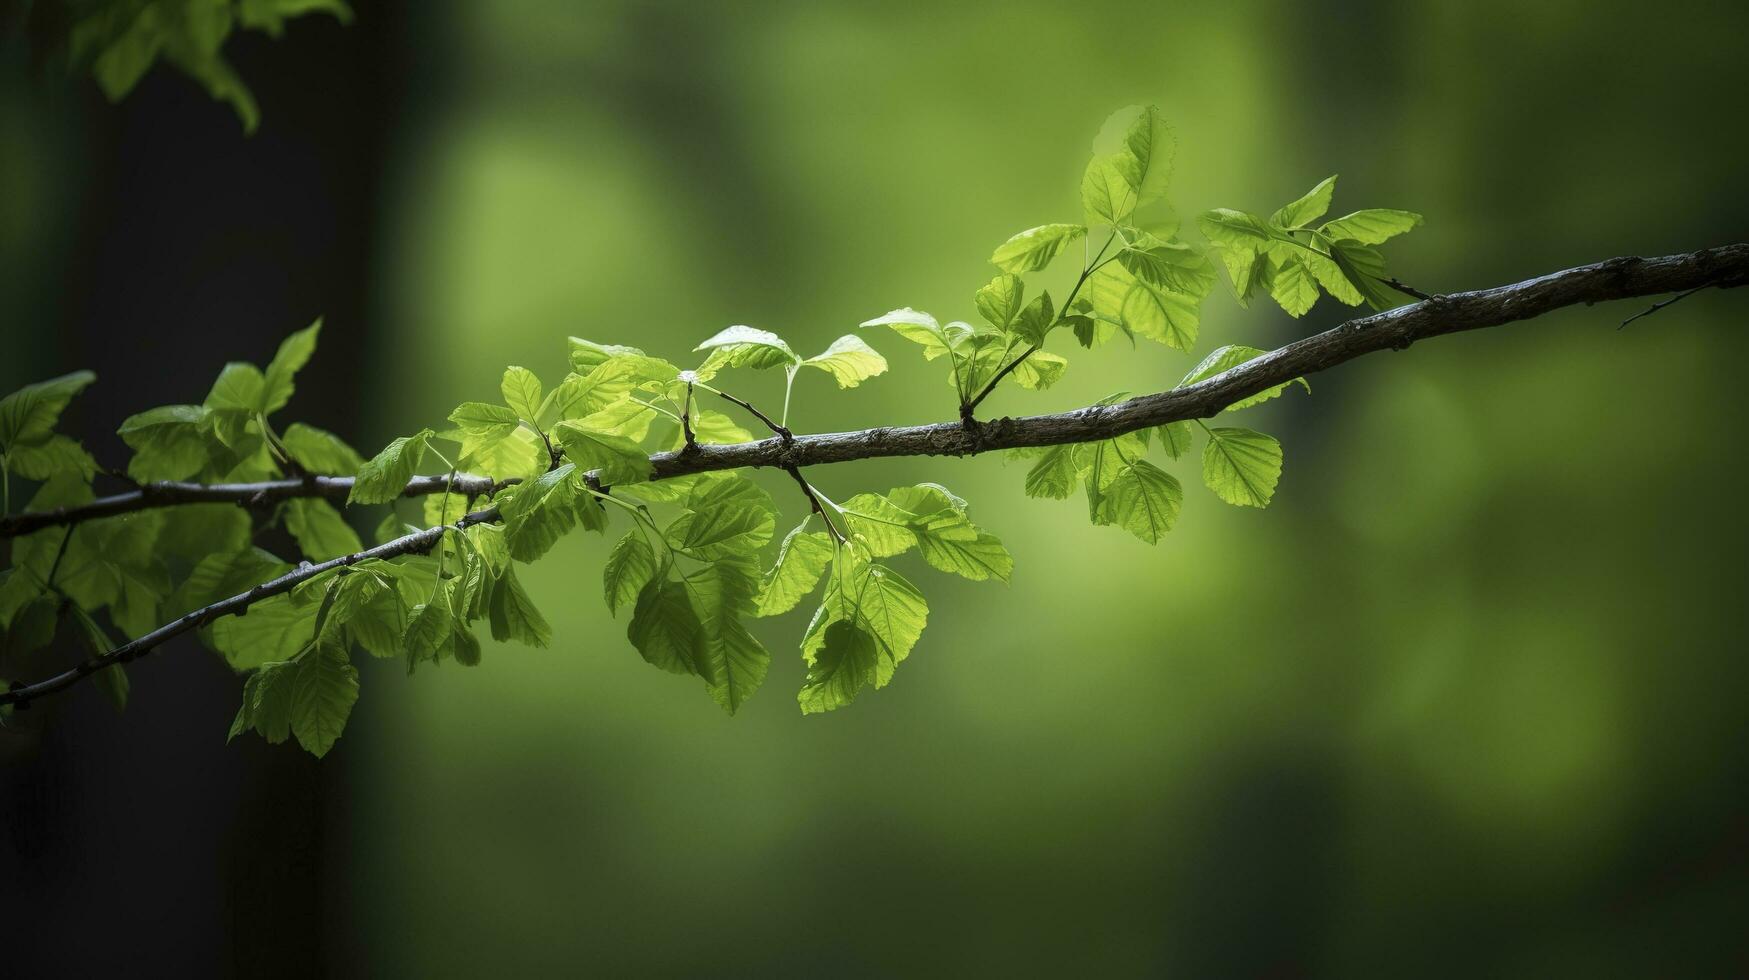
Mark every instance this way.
x=1621 y=278
x=170 y=494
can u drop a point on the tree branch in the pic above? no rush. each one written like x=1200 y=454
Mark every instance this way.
x=417 y=542
x=169 y=494
x=1622 y=278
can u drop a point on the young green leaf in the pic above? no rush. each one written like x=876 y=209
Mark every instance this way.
x=1225 y=359
x=849 y=360
x=1372 y=226
x=999 y=300
x=1107 y=193
x=732 y=662
x=1177 y=437
x=1034 y=248
x=320 y=451
x=616 y=459
x=538 y=513
x=742 y=346
x=294 y=352
x=1054 y=475
x=384 y=477
x=1293 y=286
x=1241 y=466
x=921 y=328
x=29 y=414
x=844 y=664
x=630 y=566
x=1309 y=208
x=320 y=531
x=664 y=626
x=514 y=616
x=1142 y=499
x=801 y=559
x=169 y=443
x=522 y=392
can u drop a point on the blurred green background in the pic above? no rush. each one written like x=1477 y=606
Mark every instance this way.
x=1468 y=699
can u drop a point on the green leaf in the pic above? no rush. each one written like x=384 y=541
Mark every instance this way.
x=1142 y=499
x=45 y=459
x=1364 y=268
x=222 y=575
x=844 y=664
x=1039 y=371
x=430 y=627
x=664 y=626
x=1236 y=229
x=384 y=477
x=724 y=518
x=979 y=558
x=886 y=605
x=801 y=559
x=483 y=420
x=240 y=387
x=921 y=328
x=999 y=301
x=169 y=443
x=324 y=687
x=272 y=630
x=522 y=392
x=880 y=526
x=1170 y=265
x=1225 y=359
x=1106 y=191
x=320 y=451
x=630 y=566
x=112 y=681
x=742 y=346
x=514 y=616
x=1036 y=320
x=519 y=455
x=732 y=662
x=849 y=360
x=294 y=352
x=1241 y=466
x=1372 y=226
x=1054 y=475
x=320 y=531
x=617 y=459
x=587 y=355
x=1177 y=437
x=1293 y=286
x=1034 y=248
x=1308 y=208
x=537 y=513
x=1158 y=314
x=1150 y=145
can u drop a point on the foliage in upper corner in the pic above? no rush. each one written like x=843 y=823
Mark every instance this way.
x=118 y=41
x=700 y=557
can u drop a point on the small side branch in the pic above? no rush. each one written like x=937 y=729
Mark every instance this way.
x=418 y=542
x=257 y=494
x=1655 y=307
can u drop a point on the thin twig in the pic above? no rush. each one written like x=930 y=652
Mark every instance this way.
x=174 y=493
x=781 y=431
x=795 y=472
x=686 y=421
x=1655 y=307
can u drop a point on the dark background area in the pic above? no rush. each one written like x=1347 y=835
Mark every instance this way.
x=182 y=245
